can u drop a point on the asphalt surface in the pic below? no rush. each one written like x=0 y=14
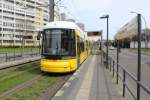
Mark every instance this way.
x=128 y=60
x=90 y=82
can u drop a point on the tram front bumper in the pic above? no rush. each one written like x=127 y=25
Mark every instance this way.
x=55 y=66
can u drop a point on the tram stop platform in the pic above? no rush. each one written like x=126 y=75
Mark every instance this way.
x=90 y=82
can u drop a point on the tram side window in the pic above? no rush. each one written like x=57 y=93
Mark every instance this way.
x=80 y=45
x=87 y=45
x=73 y=50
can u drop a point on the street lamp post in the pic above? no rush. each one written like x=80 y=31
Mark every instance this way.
x=146 y=29
x=106 y=17
x=139 y=55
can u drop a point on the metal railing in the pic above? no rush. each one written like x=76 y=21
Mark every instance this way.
x=111 y=67
x=5 y=57
x=18 y=55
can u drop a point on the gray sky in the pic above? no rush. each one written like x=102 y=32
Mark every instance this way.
x=89 y=11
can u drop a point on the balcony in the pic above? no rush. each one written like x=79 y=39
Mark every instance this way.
x=40 y=2
x=20 y=17
x=30 y=13
x=31 y=4
x=0 y=5
x=8 y=15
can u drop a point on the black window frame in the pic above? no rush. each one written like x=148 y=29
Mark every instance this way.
x=73 y=41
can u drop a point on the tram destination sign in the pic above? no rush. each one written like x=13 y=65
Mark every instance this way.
x=94 y=33
x=128 y=30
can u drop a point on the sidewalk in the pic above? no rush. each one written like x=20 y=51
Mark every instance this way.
x=89 y=82
x=17 y=62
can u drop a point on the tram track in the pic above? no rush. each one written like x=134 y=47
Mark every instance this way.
x=51 y=91
x=16 y=74
x=9 y=77
x=30 y=70
x=46 y=95
x=19 y=87
x=16 y=70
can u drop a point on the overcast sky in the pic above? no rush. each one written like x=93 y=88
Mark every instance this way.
x=89 y=11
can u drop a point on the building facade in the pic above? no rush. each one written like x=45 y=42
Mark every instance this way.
x=63 y=17
x=57 y=16
x=145 y=39
x=20 y=20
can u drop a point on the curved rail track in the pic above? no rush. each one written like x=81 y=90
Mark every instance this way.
x=16 y=74
x=47 y=95
x=22 y=70
x=19 y=87
x=17 y=71
x=51 y=91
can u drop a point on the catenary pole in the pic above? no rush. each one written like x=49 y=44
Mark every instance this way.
x=139 y=56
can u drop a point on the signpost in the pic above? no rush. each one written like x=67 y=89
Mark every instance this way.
x=128 y=30
x=94 y=33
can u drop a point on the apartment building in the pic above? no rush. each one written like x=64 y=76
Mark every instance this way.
x=20 y=20
x=57 y=15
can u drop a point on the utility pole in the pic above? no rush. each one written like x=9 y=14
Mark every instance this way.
x=107 y=39
x=139 y=56
x=51 y=8
x=106 y=17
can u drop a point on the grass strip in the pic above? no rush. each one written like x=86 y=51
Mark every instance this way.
x=144 y=50
x=16 y=74
x=34 y=91
x=11 y=50
x=17 y=69
x=10 y=83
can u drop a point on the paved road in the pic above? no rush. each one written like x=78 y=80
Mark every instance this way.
x=128 y=60
x=90 y=82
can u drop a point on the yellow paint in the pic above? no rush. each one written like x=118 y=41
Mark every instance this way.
x=83 y=57
x=58 y=65
x=69 y=65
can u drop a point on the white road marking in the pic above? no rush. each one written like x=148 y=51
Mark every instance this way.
x=75 y=74
x=59 y=93
x=67 y=84
x=72 y=78
x=84 y=92
x=78 y=71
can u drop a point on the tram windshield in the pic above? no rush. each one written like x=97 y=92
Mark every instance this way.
x=60 y=42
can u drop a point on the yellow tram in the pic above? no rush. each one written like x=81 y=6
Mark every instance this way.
x=64 y=47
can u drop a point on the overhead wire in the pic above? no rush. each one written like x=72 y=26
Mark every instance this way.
x=68 y=11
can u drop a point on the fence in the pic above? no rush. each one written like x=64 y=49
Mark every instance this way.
x=114 y=68
x=12 y=54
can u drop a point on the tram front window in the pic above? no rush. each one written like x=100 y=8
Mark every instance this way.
x=59 y=42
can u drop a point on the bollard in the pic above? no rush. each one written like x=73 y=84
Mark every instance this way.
x=124 y=82
x=117 y=61
x=110 y=63
x=113 y=67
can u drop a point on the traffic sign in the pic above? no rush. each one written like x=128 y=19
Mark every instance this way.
x=94 y=33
